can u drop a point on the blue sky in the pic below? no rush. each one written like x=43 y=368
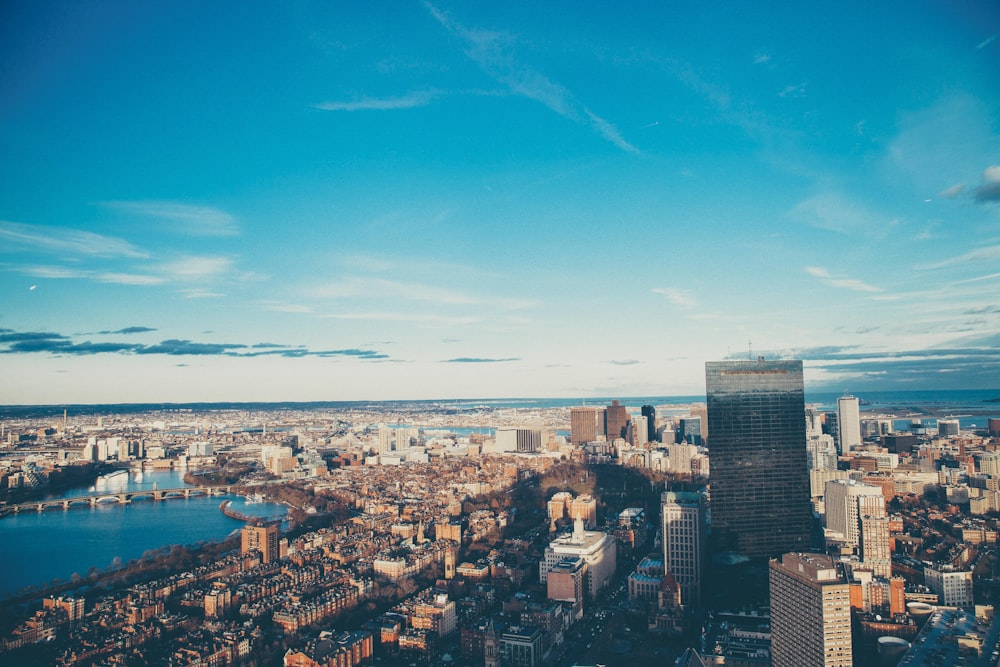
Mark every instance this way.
x=338 y=201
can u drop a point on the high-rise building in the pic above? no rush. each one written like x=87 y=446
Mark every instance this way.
x=821 y=452
x=263 y=539
x=810 y=613
x=649 y=412
x=638 y=432
x=690 y=430
x=684 y=546
x=846 y=501
x=759 y=479
x=585 y=424
x=875 y=544
x=615 y=420
x=848 y=424
x=384 y=440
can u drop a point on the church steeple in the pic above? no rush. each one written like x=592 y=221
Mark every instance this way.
x=491 y=652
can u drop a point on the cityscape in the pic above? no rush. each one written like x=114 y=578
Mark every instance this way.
x=753 y=528
x=436 y=332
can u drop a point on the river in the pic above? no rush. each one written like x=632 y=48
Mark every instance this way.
x=37 y=547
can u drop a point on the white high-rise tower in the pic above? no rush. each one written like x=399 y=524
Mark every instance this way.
x=848 y=424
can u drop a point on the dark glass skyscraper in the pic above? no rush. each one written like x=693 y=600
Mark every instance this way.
x=649 y=412
x=759 y=474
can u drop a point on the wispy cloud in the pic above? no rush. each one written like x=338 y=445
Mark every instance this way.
x=676 y=296
x=282 y=307
x=378 y=288
x=984 y=254
x=20 y=237
x=761 y=59
x=193 y=267
x=624 y=362
x=200 y=293
x=417 y=318
x=51 y=272
x=953 y=192
x=491 y=50
x=827 y=278
x=835 y=213
x=478 y=360
x=128 y=278
x=35 y=342
x=180 y=218
x=795 y=90
x=410 y=101
x=986 y=42
x=128 y=330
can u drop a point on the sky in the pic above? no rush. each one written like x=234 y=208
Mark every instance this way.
x=250 y=201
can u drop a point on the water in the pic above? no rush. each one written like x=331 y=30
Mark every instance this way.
x=37 y=547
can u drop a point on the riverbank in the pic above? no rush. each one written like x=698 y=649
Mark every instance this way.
x=34 y=545
x=58 y=481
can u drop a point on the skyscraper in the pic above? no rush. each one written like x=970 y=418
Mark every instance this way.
x=586 y=423
x=615 y=421
x=684 y=552
x=649 y=412
x=263 y=539
x=759 y=479
x=846 y=501
x=848 y=424
x=810 y=613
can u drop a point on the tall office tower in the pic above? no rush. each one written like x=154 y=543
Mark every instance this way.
x=263 y=539
x=821 y=453
x=875 y=547
x=814 y=423
x=759 y=479
x=684 y=548
x=403 y=439
x=846 y=501
x=585 y=424
x=384 y=440
x=649 y=412
x=690 y=430
x=679 y=458
x=848 y=424
x=701 y=410
x=615 y=421
x=810 y=613
x=831 y=428
x=638 y=432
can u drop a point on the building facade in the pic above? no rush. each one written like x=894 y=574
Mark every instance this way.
x=585 y=424
x=261 y=538
x=684 y=547
x=810 y=613
x=759 y=478
x=596 y=549
x=848 y=424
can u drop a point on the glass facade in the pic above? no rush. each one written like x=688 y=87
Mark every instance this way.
x=759 y=477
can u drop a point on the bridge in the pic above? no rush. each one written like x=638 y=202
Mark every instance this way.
x=122 y=498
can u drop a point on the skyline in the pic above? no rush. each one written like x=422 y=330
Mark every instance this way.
x=315 y=202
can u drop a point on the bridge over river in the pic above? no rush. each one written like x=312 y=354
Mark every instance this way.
x=120 y=497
